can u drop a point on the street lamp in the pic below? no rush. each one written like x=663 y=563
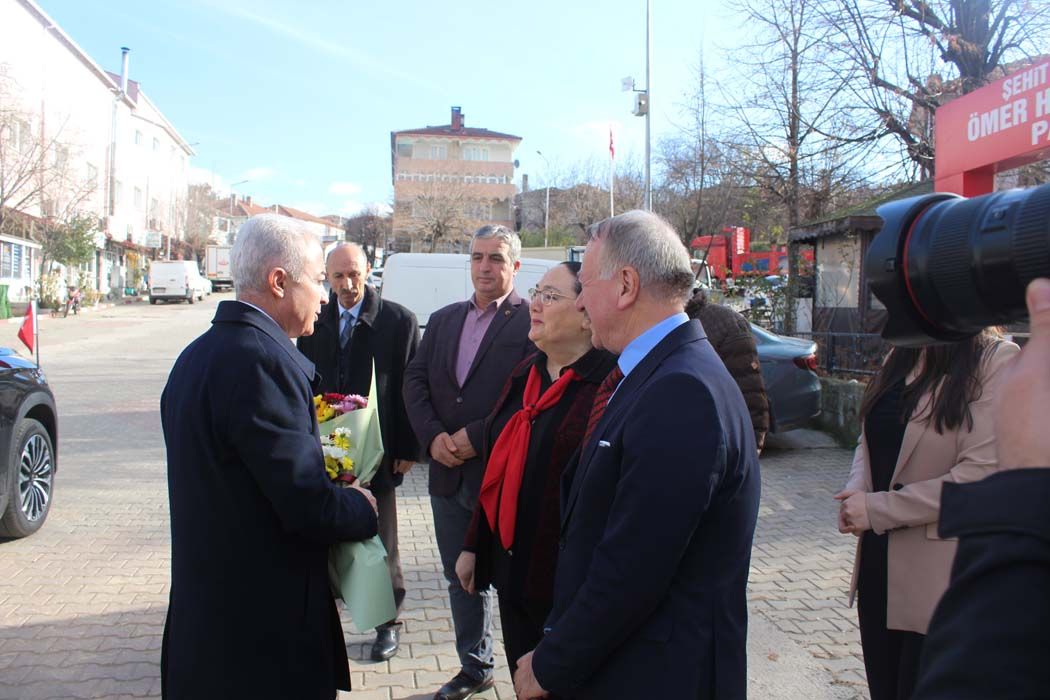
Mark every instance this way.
x=547 y=206
x=643 y=102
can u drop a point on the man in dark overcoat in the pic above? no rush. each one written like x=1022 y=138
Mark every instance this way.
x=253 y=513
x=358 y=330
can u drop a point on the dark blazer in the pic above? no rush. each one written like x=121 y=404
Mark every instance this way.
x=554 y=442
x=437 y=403
x=657 y=520
x=991 y=631
x=388 y=333
x=252 y=517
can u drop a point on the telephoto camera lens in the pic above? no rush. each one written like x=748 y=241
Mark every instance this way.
x=946 y=267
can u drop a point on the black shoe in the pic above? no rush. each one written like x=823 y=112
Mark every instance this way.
x=388 y=638
x=462 y=687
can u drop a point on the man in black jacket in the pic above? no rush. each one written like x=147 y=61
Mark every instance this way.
x=253 y=513
x=358 y=331
x=467 y=354
x=990 y=634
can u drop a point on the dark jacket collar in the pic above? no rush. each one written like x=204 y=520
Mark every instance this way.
x=239 y=312
x=593 y=366
x=370 y=307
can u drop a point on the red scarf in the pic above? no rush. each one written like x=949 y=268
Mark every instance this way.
x=506 y=466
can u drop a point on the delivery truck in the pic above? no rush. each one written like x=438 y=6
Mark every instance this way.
x=217 y=267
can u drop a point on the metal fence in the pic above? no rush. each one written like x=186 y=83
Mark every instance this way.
x=848 y=353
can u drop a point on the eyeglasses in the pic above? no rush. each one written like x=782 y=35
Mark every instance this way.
x=548 y=296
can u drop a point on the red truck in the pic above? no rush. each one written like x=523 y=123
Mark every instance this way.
x=729 y=254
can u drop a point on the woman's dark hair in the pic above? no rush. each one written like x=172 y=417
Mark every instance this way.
x=951 y=372
x=574 y=268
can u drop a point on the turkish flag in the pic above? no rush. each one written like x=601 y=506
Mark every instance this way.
x=27 y=333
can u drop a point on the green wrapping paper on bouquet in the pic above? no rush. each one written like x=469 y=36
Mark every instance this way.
x=358 y=571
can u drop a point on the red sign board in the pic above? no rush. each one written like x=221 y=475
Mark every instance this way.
x=1003 y=125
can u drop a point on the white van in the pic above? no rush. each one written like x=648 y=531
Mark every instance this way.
x=176 y=280
x=426 y=282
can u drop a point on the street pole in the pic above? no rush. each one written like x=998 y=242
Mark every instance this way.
x=649 y=100
x=547 y=206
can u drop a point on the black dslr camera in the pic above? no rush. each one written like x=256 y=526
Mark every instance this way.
x=946 y=266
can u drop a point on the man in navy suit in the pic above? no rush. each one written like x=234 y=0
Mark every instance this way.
x=658 y=514
x=252 y=511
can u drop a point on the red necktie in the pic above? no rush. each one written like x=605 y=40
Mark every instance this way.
x=601 y=400
x=506 y=465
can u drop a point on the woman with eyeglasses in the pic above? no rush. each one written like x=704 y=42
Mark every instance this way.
x=535 y=427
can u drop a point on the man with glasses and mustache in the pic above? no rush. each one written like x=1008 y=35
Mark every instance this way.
x=468 y=351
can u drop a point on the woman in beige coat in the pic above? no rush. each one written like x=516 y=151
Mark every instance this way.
x=927 y=419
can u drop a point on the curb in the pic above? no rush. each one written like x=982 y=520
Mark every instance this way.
x=87 y=309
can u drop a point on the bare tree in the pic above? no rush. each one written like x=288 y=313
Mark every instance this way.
x=37 y=171
x=911 y=56
x=370 y=229
x=200 y=209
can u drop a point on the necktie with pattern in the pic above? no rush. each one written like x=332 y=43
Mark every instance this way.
x=348 y=328
x=601 y=400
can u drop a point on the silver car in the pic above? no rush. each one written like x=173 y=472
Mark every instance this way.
x=792 y=384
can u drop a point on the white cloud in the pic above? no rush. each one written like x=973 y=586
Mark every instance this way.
x=261 y=173
x=316 y=41
x=344 y=188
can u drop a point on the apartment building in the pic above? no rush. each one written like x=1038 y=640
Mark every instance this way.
x=102 y=147
x=448 y=180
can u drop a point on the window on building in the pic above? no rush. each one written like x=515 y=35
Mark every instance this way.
x=154 y=207
x=439 y=152
x=30 y=260
x=5 y=261
x=138 y=137
x=404 y=150
x=838 y=272
x=23 y=135
x=17 y=265
x=138 y=198
x=61 y=155
x=475 y=153
x=118 y=190
x=468 y=179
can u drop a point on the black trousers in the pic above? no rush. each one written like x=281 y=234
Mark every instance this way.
x=891 y=657
x=522 y=623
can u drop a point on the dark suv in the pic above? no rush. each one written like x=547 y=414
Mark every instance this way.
x=28 y=441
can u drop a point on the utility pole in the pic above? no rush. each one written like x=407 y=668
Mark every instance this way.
x=547 y=206
x=648 y=103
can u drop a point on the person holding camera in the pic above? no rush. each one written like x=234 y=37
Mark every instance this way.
x=928 y=419
x=990 y=634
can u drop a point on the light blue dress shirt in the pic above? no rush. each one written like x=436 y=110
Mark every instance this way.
x=641 y=346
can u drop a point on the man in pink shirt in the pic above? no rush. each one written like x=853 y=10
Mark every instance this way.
x=451 y=385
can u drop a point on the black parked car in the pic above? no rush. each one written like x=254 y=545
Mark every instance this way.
x=28 y=441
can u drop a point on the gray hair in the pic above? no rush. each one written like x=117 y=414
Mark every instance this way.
x=646 y=242
x=502 y=233
x=264 y=242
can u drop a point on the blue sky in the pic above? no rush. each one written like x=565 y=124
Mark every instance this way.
x=300 y=98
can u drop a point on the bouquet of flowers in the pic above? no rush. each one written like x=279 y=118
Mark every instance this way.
x=353 y=451
x=337 y=447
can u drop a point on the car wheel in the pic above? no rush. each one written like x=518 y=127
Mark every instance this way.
x=152 y=300
x=32 y=479
x=191 y=298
